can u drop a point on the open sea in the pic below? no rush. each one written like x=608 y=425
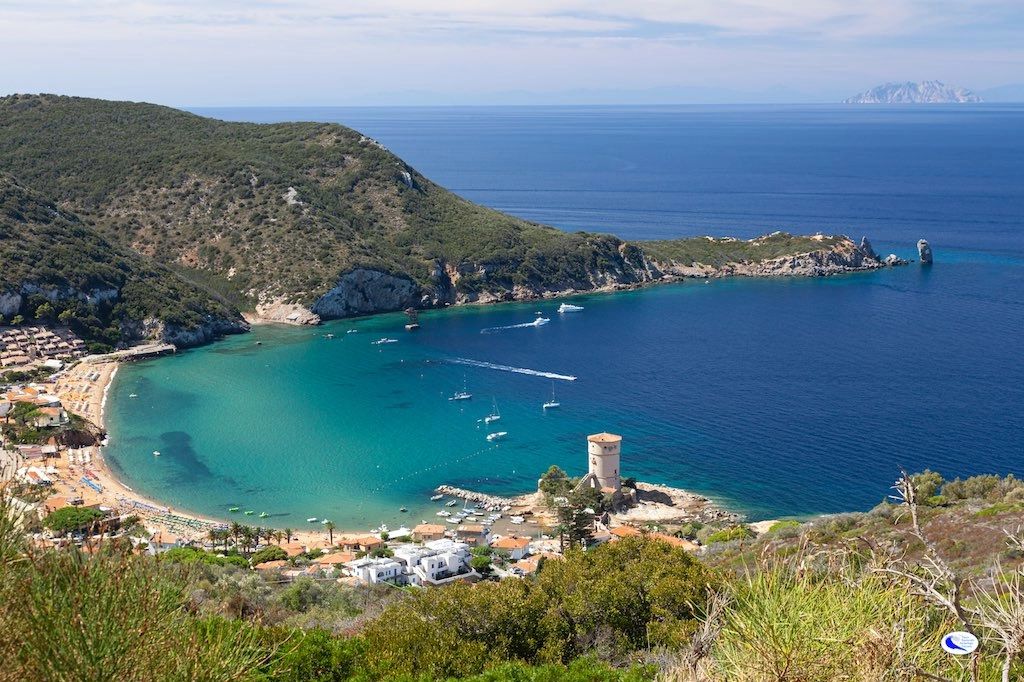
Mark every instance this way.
x=775 y=397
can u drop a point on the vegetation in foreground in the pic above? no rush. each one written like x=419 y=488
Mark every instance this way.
x=858 y=597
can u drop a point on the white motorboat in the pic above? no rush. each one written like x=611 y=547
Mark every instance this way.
x=312 y=519
x=541 y=320
x=384 y=340
x=463 y=394
x=435 y=498
x=569 y=308
x=497 y=435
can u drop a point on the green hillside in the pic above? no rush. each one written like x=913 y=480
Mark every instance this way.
x=248 y=217
x=55 y=268
x=276 y=210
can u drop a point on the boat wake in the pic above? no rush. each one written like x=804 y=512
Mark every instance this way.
x=516 y=370
x=539 y=322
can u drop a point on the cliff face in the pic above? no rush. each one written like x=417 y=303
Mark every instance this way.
x=925 y=92
x=365 y=292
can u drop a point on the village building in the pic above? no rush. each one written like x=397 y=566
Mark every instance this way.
x=425 y=532
x=435 y=563
x=516 y=547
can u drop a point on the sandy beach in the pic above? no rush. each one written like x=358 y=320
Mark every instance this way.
x=82 y=473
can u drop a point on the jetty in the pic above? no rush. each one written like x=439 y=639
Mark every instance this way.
x=148 y=350
x=474 y=496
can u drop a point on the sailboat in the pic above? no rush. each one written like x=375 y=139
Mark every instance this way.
x=494 y=415
x=552 y=402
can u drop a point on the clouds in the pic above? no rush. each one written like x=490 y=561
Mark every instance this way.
x=385 y=45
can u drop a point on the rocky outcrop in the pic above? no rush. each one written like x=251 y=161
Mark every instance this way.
x=209 y=330
x=363 y=291
x=11 y=301
x=924 y=251
x=286 y=313
x=842 y=258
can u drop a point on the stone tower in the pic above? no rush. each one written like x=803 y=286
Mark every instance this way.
x=603 y=450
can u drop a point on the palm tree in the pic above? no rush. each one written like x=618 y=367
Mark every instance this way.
x=247 y=534
x=278 y=535
x=330 y=529
x=214 y=535
x=235 y=531
x=287 y=535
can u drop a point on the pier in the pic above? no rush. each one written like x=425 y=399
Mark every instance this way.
x=492 y=500
x=149 y=350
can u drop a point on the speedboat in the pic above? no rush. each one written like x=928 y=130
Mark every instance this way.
x=569 y=308
x=451 y=503
x=435 y=498
x=311 y=519
x=264 y=515
x=445 y=514
x=384 y=340
x=461 y=395
x=403 y=509
x=232 y=509
x=497 y=435
x=541 y=320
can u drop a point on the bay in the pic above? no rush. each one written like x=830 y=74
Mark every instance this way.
x=775 y=397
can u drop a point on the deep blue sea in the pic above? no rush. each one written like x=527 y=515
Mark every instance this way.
x=775 y=397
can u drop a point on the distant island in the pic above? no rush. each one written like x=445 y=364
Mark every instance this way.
x=925 y=92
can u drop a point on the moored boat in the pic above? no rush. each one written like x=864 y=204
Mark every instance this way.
x=569 y=308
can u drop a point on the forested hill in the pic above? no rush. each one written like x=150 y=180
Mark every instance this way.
x=56 y=269
x=318 y=219
x=280 y=211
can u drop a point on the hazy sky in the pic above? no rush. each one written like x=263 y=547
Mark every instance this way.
x=305 y=52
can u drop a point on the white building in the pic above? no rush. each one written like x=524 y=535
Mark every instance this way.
x=603 y=451
x=434 y=563
x=377 y=570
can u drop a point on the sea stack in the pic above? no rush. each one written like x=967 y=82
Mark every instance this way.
x=924 y=250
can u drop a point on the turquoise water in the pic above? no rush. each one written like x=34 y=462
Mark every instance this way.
x=776 y=397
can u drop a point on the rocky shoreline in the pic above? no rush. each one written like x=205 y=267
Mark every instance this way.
x=367 y=292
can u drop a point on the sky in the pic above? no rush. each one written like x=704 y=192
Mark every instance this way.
x=386 y=52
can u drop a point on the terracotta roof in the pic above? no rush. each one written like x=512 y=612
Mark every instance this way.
x=335 y=558
x=604 y=438
x=270 y=565
x=293 y=548
x=511 y=543
x=428 y=528
x=625 y=531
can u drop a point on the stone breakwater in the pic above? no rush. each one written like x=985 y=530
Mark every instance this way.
x=491 y=500
x=655 y=504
